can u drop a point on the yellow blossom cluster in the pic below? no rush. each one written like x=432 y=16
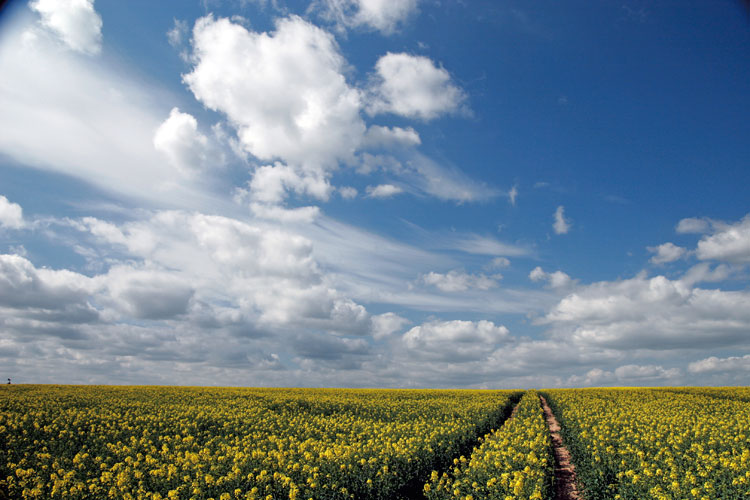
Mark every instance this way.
x=99 y=442
x=658 y=443
x=514 y=462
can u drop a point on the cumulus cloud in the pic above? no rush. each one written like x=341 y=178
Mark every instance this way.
x=666 y=252
x=561 y=224
x=147 y=293
x=631 y=374
x=186 y=149
x=267 y=274
x=729 y=242
x=719 y=365
x=693 y=225
x=390 y=137
x=286 y=95
x=383 y=191
x=651 y=313
x=459 y=281
x=348 y=192
x=23 y=286
x=380 y=15
x=456 y=340
x=384 y=325
x=499 y=262
x=557 y=279
x=11 y=214
x=414 y=87
x=285 y=92
x=74 y=21
x=270 y=184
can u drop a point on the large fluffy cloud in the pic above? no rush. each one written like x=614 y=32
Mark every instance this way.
x=653 y=313
x=23 y=286
x=74 y=21
x=456 y=340
x=286 y=94
x=714 y=364
x=413 y=86
x=266 y=274
x=285 y=91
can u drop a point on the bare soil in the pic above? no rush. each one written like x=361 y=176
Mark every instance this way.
x=565 y=472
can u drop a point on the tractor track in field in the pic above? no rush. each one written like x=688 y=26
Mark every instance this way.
x=414 y=490
x=565 y=486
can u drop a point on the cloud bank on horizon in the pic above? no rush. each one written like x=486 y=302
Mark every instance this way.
x=337 y=194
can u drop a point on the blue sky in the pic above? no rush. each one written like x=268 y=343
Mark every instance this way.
x=364 y=193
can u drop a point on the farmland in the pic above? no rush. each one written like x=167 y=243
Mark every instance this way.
x=235 y=443
x=662 y=444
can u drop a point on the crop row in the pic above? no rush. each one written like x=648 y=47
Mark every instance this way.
x=512 y=462
x=660 y=444
x=194 y=443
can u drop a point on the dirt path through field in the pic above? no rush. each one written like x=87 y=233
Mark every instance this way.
x=565 y=472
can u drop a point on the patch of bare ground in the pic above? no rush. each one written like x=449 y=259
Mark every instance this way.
x=565 y=473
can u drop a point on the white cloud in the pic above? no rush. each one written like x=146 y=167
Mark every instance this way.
x=281 y=214
x=641 y=372
x=702 y=273
x=184 y=146
x=631 y=374
x=666 y=252
x=93 y=115
x=512 y=195
x=459 y=281
x=382 y=15
x=383 y=191
x=384 y=325
x=263 y=272
x=693 y=225
x=270 y=184
x=74 y=21
x=651 y=313
x=348 y=192
x=390 y=137
x=480 y=245
x=561 y=224
x=177 y=35
x=285 y=92
x=499 y=262
x=148 y=293
x=719 y=365
x=442 y=182
x=11 y=214
x=456 y=340
x=556 y=280
x=412 y=86
x=729 y=242
x=23 y=286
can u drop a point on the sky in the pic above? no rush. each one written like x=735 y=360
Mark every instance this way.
x=362 y=193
